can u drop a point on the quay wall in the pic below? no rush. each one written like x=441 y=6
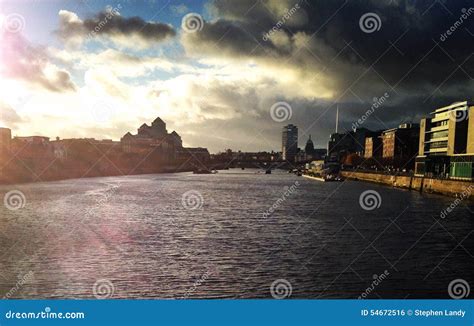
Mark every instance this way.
x=454 y=188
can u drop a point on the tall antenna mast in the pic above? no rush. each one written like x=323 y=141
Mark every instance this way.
x=337 y=118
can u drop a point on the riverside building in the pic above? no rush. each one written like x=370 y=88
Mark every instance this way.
x=446 y=147
x=5 y=142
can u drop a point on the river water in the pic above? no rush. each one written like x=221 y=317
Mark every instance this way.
x=230 y=235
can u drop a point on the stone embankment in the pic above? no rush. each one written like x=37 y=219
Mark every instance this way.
x=454 y=188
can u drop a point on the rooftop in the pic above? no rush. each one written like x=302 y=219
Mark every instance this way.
x=453 y=106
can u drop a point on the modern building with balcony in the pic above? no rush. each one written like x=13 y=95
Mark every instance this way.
x=446 y=147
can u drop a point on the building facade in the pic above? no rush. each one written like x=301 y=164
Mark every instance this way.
x=446 y=145
x=154 y=138
x=5 y=142
x=342 y=144
x=289 y=142
x=166 y=147
x=373 y=147
x=400 y=146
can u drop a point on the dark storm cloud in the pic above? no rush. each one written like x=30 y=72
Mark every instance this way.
x=412 y=25
x=404 y=51
x=407 y=56
x=110 y=23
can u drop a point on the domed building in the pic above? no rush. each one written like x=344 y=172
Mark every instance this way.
x=309 y=148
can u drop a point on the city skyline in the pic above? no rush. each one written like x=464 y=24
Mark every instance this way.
x=239 y=151
x=97 y=71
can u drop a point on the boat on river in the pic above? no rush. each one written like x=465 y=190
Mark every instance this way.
x=324 y=178
x=204 y=171
x=322 y=171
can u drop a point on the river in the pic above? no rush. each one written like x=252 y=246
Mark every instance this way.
x=235 y=234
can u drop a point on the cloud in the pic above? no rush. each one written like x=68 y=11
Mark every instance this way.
x=119 y=63
x=319 y=55
x=109 y=24
x=323 y=39
x=179 y=9
x=21 y=60
x=8 y=116
x=247 y=56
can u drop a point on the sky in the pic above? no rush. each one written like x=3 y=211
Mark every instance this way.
x=230 y=74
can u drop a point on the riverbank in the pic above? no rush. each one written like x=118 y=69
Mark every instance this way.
x=16 y=171
x=314 y=178
x=21 y=172
x=453 y=188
